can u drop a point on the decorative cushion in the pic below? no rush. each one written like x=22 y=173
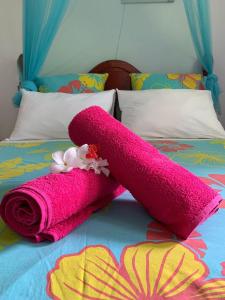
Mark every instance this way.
x=72 y=83
x=146 y=81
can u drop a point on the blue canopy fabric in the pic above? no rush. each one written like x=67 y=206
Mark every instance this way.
x=198 y=16
x=41 y=21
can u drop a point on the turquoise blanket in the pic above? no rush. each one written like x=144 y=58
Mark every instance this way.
x=120 y=253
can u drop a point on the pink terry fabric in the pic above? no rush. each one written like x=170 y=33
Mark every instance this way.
x=170 y=193
x=51 y=206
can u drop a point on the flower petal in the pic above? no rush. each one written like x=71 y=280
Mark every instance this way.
x=91 y=274
x=189 y=82
x=82 y=151
x=103 y=162
x=220 y=178
x=197 y=77
x=71 y=158
x=223 y=268
x=212 y=289
x=173 y=76
x=161 y=269
x=197 y=244
x=55 y=168
x=158 y=232
x=105 y=171
x=67 y=169
x=58 y=157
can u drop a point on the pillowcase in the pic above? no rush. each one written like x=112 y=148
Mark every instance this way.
x=167 y=113
x=47 y=116
x=146 y=81
x=72 y=83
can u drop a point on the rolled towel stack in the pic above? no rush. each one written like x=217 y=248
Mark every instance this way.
x=170 y=193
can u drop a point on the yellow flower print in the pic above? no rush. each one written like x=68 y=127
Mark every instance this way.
x=201 y=157
x=146 y=271
x=11 y=163
x=212 y=289
x=93 y=81
x=43 y=89
x=138 y=80
x=7 y=236
x=21 y=145
x=190 y=81
x=38 y=151
x=13 y=168
x=218 y=142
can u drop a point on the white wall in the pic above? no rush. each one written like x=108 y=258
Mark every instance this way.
x=155 y=37
x=218 y=21
x=10 y=48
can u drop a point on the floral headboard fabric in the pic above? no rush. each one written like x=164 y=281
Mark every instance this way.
x=144 y=81
x=72 y=83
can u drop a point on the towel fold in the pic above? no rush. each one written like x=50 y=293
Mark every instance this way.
x=170 y=193
x=51 y=206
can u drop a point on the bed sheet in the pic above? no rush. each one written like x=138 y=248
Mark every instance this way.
x=120 y=253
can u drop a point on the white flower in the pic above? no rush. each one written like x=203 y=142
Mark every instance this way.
x=99 y=166
x=65 y=161
x=77 y=158
x=82 y=151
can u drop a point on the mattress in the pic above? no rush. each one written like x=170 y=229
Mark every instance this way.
x=120 y=253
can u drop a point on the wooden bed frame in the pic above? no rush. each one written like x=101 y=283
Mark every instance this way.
x=119 y=78
x=118 y=71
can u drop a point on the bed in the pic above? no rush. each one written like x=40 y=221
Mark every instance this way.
x=120 y=253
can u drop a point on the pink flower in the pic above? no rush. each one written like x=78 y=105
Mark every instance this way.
x=158 y=233
x=217 y=182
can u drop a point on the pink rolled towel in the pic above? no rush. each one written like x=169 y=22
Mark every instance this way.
x=51 y=206
x=170 y=193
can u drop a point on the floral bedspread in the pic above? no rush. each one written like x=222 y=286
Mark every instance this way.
x=120 y=253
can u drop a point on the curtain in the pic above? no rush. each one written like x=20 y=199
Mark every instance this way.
x=198 y=15
x=41 y=21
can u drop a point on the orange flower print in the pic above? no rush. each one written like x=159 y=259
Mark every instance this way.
x=170 y=146
x=75 y=84
x=146 y=271
x=92 y=151
x=190 y=81
x=158 y=233
x=217 y=182
x=66 y=89
x=75 y=87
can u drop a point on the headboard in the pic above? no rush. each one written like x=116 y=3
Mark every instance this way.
x=118 y=71
x=119 y=78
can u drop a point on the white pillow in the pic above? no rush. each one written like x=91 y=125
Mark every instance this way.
x=169 y=113
x=47 y=115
